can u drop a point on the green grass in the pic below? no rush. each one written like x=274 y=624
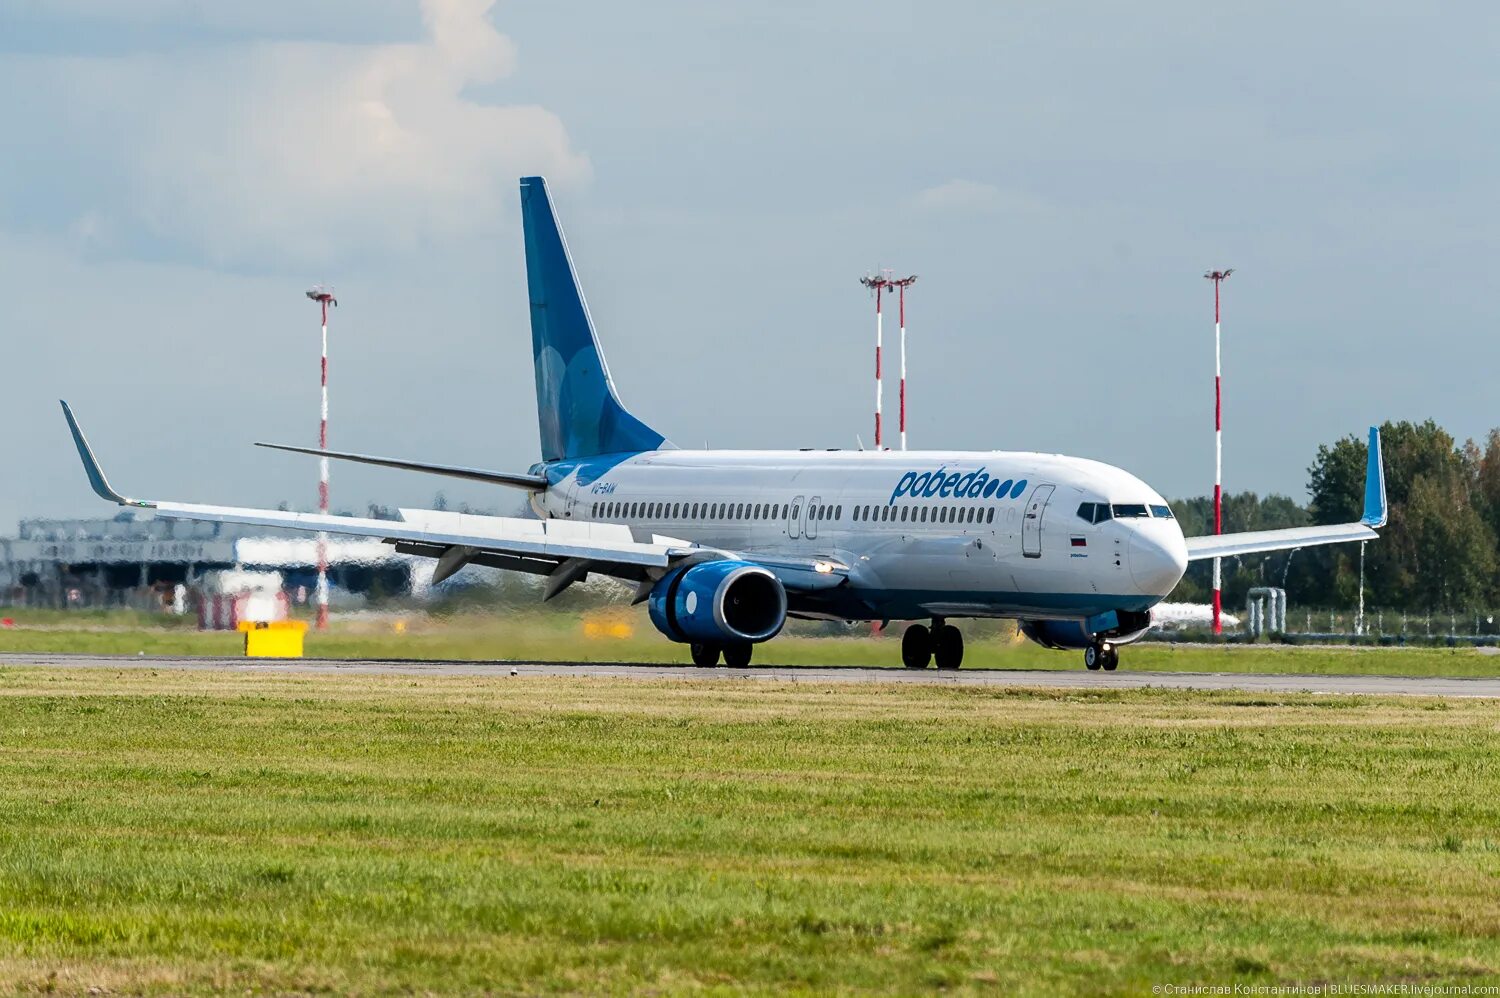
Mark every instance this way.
x=173 y=832
x=559 y=636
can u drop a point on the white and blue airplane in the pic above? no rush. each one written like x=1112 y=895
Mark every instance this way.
x=724 y=546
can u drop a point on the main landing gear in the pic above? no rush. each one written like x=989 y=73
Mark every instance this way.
x=943 y=643
x=736 y=656
x=1101 y=655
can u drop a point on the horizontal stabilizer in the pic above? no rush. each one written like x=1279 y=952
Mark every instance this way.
x=532 y=483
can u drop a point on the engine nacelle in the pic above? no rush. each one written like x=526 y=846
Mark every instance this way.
x=1129 y=625
x=719 y=602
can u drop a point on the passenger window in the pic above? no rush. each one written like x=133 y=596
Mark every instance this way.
x=795 y=511
x=775 y=511
x=990 y=516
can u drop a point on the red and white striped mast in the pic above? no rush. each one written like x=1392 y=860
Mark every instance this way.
x=324 y=297
x=1218 y=277
x=878 y=284
x=901 y=287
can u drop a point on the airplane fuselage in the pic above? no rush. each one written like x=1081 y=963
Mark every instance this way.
x=924 y=533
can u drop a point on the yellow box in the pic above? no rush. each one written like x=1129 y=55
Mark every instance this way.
x=273 y=639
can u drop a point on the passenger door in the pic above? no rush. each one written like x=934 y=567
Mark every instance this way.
x=1031 y=527
x=793 y=518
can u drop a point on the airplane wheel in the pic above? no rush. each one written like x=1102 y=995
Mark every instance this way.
x=948 y=646
x=704 y=655
x=916 y=647
x=1093 y=657
x=1111 y=660
x=737 y=656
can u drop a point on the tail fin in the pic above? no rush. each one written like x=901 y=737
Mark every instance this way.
x=579 y=413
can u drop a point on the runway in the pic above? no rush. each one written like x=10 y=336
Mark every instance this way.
x=1440 y=686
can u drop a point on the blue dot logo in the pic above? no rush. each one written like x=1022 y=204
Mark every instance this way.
x=1015 y=493
x=1003 y=488
x=990 y=487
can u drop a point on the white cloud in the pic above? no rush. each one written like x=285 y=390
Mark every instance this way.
x=969 y=196
x=304 y=151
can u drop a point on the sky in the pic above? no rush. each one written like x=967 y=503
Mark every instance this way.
x=178 y=172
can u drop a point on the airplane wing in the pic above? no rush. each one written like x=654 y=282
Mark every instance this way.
x=564 y=550
x=1253 y=541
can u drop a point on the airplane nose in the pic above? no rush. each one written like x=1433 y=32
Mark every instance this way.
x=1158 y=557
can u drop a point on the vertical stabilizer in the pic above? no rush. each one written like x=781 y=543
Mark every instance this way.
x=579 y=412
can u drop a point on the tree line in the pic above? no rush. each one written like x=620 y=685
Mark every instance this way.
x=1440 y=550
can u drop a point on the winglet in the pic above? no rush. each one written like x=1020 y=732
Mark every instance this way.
x=91 y=465
x=1375 y=505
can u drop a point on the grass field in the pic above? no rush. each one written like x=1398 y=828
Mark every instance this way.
x=559 y=636
x=175 y=832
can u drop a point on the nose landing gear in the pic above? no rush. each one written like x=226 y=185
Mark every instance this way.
x=1101 y=655
x=943 y=643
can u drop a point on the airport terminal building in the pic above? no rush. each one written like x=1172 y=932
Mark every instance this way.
x=135 y=560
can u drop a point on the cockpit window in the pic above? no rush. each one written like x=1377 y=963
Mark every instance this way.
x=1094 y=512
x=1129 y=509
x=1162 y=512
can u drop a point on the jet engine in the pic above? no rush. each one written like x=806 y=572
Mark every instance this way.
x=1130 y=625
x=719 y=602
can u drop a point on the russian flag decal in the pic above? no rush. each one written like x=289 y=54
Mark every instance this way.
x=1080 y=542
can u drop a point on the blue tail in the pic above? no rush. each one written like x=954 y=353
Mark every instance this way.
x=579 y=413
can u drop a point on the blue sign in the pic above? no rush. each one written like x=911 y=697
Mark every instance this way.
x=942 y=484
